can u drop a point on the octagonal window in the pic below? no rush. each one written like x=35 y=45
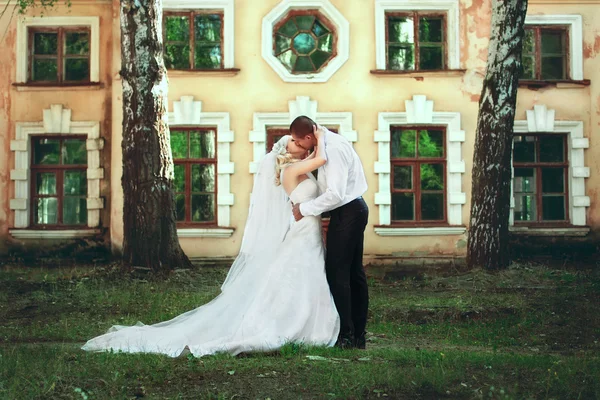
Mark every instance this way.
x=304 y=42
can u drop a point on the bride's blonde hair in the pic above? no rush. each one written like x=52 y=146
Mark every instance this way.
x=282 y=161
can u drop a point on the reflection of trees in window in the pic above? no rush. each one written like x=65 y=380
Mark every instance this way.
x=544 y=55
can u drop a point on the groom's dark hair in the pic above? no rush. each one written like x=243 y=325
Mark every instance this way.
x=302 y=126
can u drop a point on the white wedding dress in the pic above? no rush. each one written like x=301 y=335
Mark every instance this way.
x=270 y=301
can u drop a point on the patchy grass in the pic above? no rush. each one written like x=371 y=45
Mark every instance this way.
x=528 y=332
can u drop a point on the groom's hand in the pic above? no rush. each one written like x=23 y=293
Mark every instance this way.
x=297 y=214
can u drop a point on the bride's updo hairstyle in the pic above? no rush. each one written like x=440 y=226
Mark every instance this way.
x=284 y=158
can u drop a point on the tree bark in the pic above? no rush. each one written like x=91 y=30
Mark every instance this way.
x=488 y=245
x=150 y=231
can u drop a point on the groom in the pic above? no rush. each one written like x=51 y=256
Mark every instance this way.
x=341 y=184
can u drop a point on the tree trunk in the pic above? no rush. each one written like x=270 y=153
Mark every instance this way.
x=150 y=231
x=488 y=245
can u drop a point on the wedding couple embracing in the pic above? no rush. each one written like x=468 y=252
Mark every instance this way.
x=284 y=286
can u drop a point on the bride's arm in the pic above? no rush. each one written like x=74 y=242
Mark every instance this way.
x=317 y=159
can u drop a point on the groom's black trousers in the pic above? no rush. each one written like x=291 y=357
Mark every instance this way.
x=344 y=268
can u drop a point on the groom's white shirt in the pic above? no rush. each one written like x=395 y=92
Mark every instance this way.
x=341 y=179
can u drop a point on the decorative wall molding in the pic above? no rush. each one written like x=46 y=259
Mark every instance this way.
x=420 y=111
x=187 y=112
x=541 y=119
x=326 y=8
x=227 y=6
x=302 y=105
x=23 y=23
x=449 y=7
x=56 y=121
x=433 y=231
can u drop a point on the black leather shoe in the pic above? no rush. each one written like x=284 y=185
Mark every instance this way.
x=344 y=342
x=360 y=341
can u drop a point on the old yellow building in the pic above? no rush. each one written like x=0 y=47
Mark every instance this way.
x=399 y=78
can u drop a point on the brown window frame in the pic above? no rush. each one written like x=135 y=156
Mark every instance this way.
x=538 y=166
x=188 y=162
x=191 y=14
x=415 y=162
x=416 y=15
x=538 y=51
x=58 y=170
x=60 y=56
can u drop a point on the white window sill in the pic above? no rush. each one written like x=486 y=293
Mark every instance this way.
x=205 y=232
x=32 y=87
x=52 y=234
x=430 y=231
x=527 y=231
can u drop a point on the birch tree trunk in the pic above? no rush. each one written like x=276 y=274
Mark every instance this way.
x=150 y=232
x=488 y=245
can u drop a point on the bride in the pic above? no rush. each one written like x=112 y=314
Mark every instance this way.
x=276 y=290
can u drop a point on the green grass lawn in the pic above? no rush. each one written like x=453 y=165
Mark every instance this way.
x=528 y=332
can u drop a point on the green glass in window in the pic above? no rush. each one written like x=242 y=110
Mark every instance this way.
x=525 y=208
x=178 y=28
x=401 y=58
x=207 y=28
x=527 y=67
x=403 y=177
x=74 y=151
x=74 y=211
x=524 y=148
x=203 y=178
x=179 y=178
x=77 y=43
x=304 y=64
x=46 y=183
x=179 y=144
x=554 y=67
x=529 y=42
x=180 y=207
x=288 y=59
x=77 y=69
x=403 y=206
x=304 y=43
x=430 y=29
x=45 y=43
x=305 y=22
x=75 y=183
x=552 y=42
x=203 y=207
x=553 y=208
x=319 y=58
x=404 y=143
x=552 y=148
x=431 y=58
x=46 y=211
x=46 y=151
x=401 y=30
x=431 y=143
x=326 y=43
x=319 y=29
x=207 y=56
x=202 y=144
x=524 y=180
x=44 y=70
x=289 y=28
x=432 y=177
x=553 y=180
x=282 y=43
x=432 y=206
x=177 y=56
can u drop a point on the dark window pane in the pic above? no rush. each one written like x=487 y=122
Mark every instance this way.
x=432 y=177
x=552 y=42
x=401 y=30
x=207 y=57
x=529 y=42
x=553 y=208
x=430 y=29
x=75 y=183
x=180 y=207
x=202 y=144
x=282 y=43
x=553 y=180
x=431 y=58
x=74 y=211
x=77 y=43
x=403 y=207
x=527 y=67
x=403 y=143
x=179 y=178
x=319 y=58
x=431 y=143
x=45 y=43
x=326 y=43
x=304 y=43
x=203 y=207
x=177 y=56
x=553 y=67
x=74 y=151
x=524 y=149
x=432 y=206
x=208 y=28
x=403 y=176
x=46 y=211
x=46 y=183
x=203 y=178
x=552 y=148
x=178 y=28
x=289 y=28
x=45 y=70
x=179 y=144
x=304 y=64
x=524 y=180
x=46 y=151
x=77 y=69
x=525 y=208
x=288 y=59
x=319 y=29
x=401 y=58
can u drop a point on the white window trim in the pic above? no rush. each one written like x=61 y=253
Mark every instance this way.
x=575 y=24
x=187 y=112
x=326 y=8
x=419 y=111
x=302 y=105
x=227 y=6
x=24 y=23
x=450 y=7
x=541 y=119
x=56 y=121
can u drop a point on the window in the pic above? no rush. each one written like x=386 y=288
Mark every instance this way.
x=415 y=41
x=193 y=40
x=540 y=178
x=418 y=170
x=273 y=136
x=59 y=55
x=545 y=53
x=195 y=185
x=58 y=181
